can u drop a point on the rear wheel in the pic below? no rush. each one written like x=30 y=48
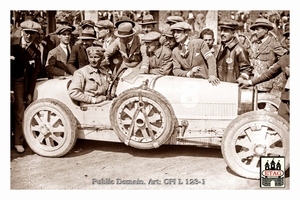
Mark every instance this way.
x=252 y=135
x=49 y=128
x=142 y=119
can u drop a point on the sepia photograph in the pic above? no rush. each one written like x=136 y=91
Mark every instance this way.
x=164 y=98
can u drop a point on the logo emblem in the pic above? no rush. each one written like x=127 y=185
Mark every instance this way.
x=272 y=172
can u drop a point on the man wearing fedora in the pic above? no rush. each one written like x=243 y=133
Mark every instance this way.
x=128 y=44
x=105 y=37
x=192 y=58
x=280 y=67
x=61 y=18
x=78 y=57
x=233 y=61
x=148 y=24
x=25 y=64
x=267 y=51
x=160 y=57
x=58 y=57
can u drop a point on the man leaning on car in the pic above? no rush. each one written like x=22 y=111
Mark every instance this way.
x=192 y=57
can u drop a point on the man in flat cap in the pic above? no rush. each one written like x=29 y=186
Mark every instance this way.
x=105 y=37
x=232 y=59
x=62 y=19
x=78 y=57
x=267 y=52
x=160 y=57
x=58 y=57
x=192 y=58
x=25 y=65
x=170 y=40
x=173 y=19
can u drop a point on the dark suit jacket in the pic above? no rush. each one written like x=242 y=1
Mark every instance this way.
x=56 y=62
x=77 y=59
x=25 y=64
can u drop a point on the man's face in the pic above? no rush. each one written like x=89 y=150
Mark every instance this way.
x=94 y=60
x=226 y=34
x=171 y=42
x=65 y=37
x=126 y=40
x=152 y=46
x=287 y=41
x=29 y=36
x=180 y=36
x=146 y=28
x=260 y=32
x=101 y=31
x=87 y=42
x=209 y=39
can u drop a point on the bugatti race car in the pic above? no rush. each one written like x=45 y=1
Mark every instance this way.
x=151 y=110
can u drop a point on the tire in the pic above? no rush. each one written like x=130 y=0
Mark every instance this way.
x=125 y=112
x=252 y=135
x=49 y=128
x=268 y=102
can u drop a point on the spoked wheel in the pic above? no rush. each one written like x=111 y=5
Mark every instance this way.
x=49 y=128
x=268 y=102
x=252 y=135
x=142 y=118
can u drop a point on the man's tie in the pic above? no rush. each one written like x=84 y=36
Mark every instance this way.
x=68 y=53
x=128 y=49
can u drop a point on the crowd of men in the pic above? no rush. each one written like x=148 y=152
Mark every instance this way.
x=115 y=47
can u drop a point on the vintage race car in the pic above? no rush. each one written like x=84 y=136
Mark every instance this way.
x=150 y=110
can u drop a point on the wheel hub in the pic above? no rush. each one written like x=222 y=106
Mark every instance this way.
x=44 y=130
x=259 y=149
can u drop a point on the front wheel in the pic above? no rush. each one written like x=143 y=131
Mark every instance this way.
x=49 y=128
x=252 y=135
x=142 y=119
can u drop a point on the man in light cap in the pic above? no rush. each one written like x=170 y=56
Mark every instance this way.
x=160 y=57
x=267 y=51
x=62 y=19
x=79 y=56
x=192 y=58
x=25 y=65
x=105 y=37
x=233 y=62
x=90 y=83
x=174 y=19
x=58 y=57
x=128 y=44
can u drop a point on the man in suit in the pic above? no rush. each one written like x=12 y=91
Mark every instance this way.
x=58 y=57
x=128 y=44
x=267 y=51
x=232 y=59
x=79 y=57
x=192 y=58
x=160 y=57
x=25 y=65
x=62 y=19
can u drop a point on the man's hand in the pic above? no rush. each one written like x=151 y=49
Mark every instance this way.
x=144 y=70
x=105 y=62
x=28 y=99
x=213 y=80
x=99 y=99
x=196 y=69
x=244 y=83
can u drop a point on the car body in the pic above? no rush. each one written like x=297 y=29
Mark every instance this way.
x=151 y=110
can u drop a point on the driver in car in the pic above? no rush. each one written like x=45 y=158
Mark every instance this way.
x=90 y=83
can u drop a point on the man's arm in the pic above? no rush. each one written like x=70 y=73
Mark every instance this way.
x=166 y=63
x=73 y=61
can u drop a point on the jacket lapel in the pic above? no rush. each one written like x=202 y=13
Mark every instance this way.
x=62 y=53
x=263 y=47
